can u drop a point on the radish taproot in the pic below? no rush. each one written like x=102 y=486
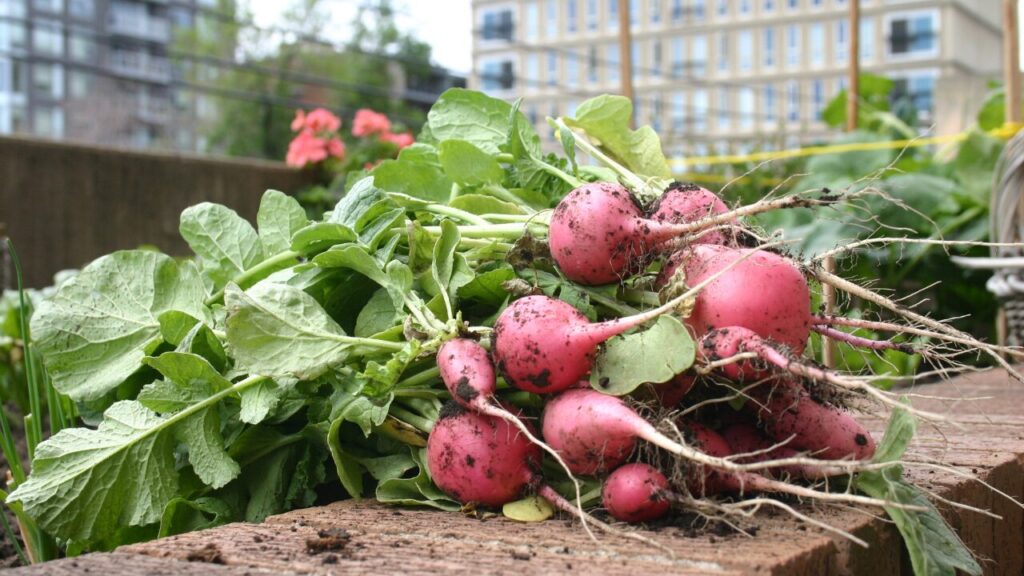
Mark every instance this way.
x=633 y=493
x=478 y=458
x=761 y=291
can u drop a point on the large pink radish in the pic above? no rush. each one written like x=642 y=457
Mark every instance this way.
x=683 y=203
x=763 y=292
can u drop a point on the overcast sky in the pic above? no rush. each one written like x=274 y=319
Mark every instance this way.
x=444 y=24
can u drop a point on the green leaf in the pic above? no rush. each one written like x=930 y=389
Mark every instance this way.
x=468 y=165
x=388 y=467
x=417 y=491
x=260 y=400
x=441 y=267
x=87 y=483
x=189 y=371
x=182 y=515
x=606 y=120
x=481 y=204
x=287 y=479
x=488 y=287
x=210 y=461
x=898 y=434
x=95 y=331
x=279 y=330
x=320 y=236
x=175 y=325
x=934 y=548
x=226 y=243
x=472 y=116
x=529 y=509
x=280 y=216
x=417 y=172
x=653 y=355
x=378 y=315
x=348 y=468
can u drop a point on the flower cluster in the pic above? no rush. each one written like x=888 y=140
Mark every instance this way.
x=317 y=138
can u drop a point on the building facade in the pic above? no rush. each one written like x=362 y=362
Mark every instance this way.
x=727 y=75
x=96 y=71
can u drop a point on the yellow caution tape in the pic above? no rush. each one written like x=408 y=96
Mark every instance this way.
x=1005 y=131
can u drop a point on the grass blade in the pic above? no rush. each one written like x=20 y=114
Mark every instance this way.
x=9 y=532
x=33 y=427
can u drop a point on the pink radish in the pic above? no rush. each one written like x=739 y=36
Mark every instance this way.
x=543 y=345
x=826 y=432
x=477 y=458
x=689 y=203
x=633 y=493
x=764 y=292
x=599 y=235
x=745 y=438
x=671 y=393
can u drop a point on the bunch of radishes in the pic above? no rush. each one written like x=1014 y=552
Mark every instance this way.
x=752 y=316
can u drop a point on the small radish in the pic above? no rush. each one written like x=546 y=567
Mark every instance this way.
x=599 y=235
x=477 y=458
x=671 y=393
x=789 y=411
x=763 y=292
x=703 y=479
x=689 y=203
x=633 y=493
x=745 y=438
x=723 y=343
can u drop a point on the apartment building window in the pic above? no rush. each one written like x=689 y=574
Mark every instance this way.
x=678 y=57
x=842 y=41
x=592 y=15
x=634 y=11
x=531 y=113
x=571 y=15
x=817 y=3
x=723 y=8
x=792 y=46
x=592 y=64
x=768 y=103
x=82 y=9
x=745 y=40
x=867 y=39
x=746 y=7
x=79 y=85
x=913 y=34
x=532 y=25
x=532 y=79
x=816 y=38
x=47 y=39
x=498 y=25
x=570 y=108
x=677 y=11
x=656 y=57
x=656 y=113
x=700 y=110
x=13 y=37
x=746 y=105
x=723 y=53
x=724 y=114
x=552 y=18
x=638 y=115
x=612 y=63
x=48 y=80
x=48 y=121
x=793 y=101
x=81 y=47
x=18 y=78
x=768 y=6
x=654 y=8
x=552 y=67
x=768 y=48
x=55 y=6
x=16 y=8
x=572 y=69
x=918 y=90
x=792 y=4
x=613 y=14
x=699 y=10
x=700 y=55
x=678 y=111
x=498 y=75
x=817 y=97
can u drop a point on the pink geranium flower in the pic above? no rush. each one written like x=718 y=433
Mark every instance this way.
x=321 y=120
x=367 y=122
x=300 y=120
x=335 y=147
x=403 y=140
x=306 y=148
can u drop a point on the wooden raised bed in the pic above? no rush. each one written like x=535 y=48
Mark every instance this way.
x=368 y=538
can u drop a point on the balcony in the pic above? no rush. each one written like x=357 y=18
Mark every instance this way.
x=152 y=110
x=138 y=25
x=140 y=65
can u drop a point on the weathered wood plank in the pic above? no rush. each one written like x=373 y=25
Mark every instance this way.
x=121 y=564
